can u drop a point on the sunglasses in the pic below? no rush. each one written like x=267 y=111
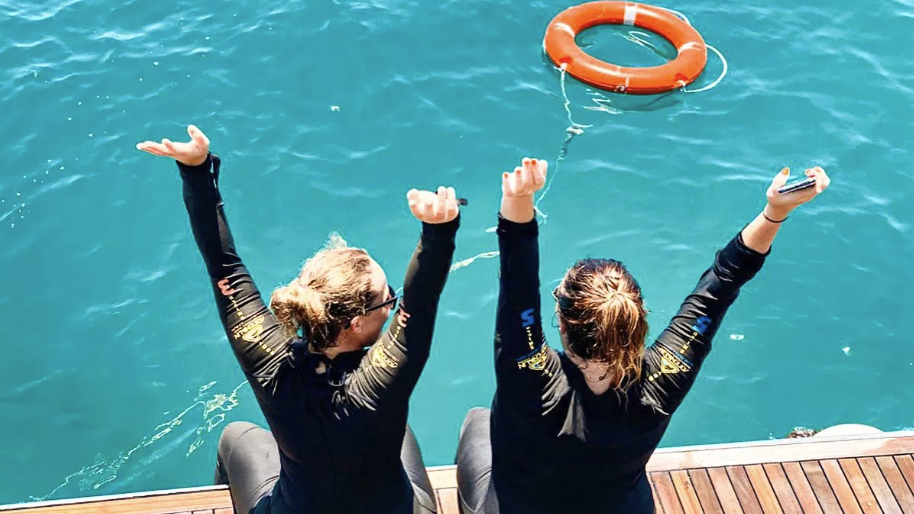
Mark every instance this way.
x=562 y=301
x=391 y=301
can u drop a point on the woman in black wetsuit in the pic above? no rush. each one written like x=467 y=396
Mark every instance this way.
x=336 y=410
x=572 y=432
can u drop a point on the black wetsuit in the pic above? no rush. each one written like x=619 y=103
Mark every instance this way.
x=339 y=433
x=556 y=447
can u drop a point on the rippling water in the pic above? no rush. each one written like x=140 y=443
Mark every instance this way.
x=116 y=375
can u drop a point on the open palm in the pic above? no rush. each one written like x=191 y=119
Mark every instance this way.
x=437 y=207
x=191 y=153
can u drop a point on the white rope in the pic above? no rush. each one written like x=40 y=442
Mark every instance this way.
x=677 y=13
x=722 y=59
x=714 y=84
x=574 y=128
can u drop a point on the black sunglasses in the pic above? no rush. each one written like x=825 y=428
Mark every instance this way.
x=392 y=301
x=562 y=301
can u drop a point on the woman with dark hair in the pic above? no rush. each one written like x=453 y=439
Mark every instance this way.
x=334 y=390
x=572 y=432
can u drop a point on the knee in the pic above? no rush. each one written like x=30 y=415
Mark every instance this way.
x=477 y=412
x=231 y=434
x=409 y=433
x=475 y=416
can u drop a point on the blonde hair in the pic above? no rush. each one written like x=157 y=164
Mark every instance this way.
x=334 y=287
x=604 y=318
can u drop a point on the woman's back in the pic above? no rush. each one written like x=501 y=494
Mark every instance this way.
x=584 y=453
x=326 y=437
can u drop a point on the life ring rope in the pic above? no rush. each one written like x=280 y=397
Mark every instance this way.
x=714 y=84
x=723 y=60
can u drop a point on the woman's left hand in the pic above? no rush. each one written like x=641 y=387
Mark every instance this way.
x=781 y=204
x=192 y=153
x=429 y=207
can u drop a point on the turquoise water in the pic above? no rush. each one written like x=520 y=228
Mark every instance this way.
x=116 y=375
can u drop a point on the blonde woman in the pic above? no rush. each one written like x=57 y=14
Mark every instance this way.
x=334 y=390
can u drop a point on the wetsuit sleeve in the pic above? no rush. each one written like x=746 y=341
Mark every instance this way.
x=391 y=368
x=257 y=339
x=527 y=370
x=673 y=361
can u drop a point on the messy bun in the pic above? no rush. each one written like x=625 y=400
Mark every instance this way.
x=604 y=317
x=333 y=287
x=297 y=306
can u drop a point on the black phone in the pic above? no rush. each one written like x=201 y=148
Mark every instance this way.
x=798 y=185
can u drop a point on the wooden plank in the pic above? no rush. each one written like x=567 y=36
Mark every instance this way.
x=856 y=475
x=686 y=492
x=840 y=486
x=859 y=485
x=878 y=485
x=803 y=490
x=169 y=503
x=724 y=489
x=223 y=490
x=443 y=477
x=669 y=500
x=782 y=489
x=906 y=465
x=447 y=501
x=744 y=491
x=782 y=450
x=655 y=495
x=900 y=488
x=763 y=490
x=705 y=491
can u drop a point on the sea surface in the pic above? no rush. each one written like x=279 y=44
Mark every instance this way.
x=116 y=375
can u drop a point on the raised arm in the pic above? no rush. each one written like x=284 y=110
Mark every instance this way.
x=391 y=369
x=672 y=363
x=257 y=340
x=527 y=370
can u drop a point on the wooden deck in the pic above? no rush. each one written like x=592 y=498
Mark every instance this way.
x=854 y=475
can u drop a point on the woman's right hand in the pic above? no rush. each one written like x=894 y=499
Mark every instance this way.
x=518 y=187
x=525 y=180
x=780 y=205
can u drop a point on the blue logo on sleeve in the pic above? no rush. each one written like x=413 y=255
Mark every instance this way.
x=701 y=324
x=527 y=318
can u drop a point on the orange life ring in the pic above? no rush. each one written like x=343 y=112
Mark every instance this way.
x=561 y=47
